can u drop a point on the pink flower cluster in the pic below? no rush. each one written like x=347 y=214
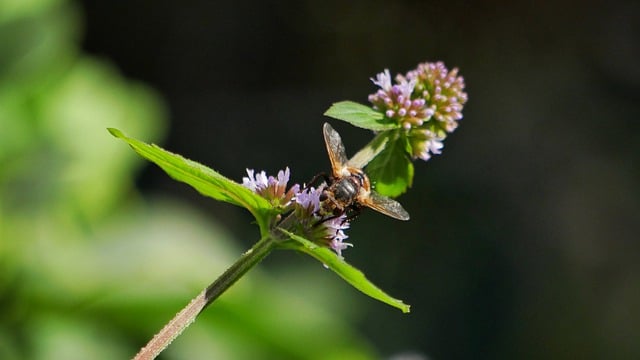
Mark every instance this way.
x=427 y=102
x=304 y=204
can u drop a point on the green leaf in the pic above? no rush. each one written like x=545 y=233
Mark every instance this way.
x=360 y=115
x=391 y=172
x=205 y=180
x=349 y=273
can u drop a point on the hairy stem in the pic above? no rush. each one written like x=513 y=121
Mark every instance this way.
x=188 y=315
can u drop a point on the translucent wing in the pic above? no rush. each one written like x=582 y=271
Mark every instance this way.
x=335 y=148
x=385 y=205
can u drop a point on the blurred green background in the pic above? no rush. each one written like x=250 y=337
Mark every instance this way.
x=522 y=242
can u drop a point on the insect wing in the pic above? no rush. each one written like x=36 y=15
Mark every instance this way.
x=335 y=148
x=385 y=205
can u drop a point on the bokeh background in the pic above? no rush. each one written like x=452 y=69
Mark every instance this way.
x=523 y=239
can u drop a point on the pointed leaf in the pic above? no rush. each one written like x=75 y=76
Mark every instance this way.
x=391 y=172
x=370 y=151
x=349 y=273
x=205 y=180
x=360 y=115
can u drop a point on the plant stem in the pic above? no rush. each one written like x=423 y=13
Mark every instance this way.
x=188 y=315
x=248 y=260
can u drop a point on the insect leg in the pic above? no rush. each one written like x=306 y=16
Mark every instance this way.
x=352 y=212
x=315 y=179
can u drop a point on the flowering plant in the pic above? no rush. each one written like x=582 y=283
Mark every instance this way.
x=411 y=118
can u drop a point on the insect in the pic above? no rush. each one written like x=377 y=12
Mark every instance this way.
x=349 y=187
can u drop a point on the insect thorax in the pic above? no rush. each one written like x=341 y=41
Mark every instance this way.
x=346 y=189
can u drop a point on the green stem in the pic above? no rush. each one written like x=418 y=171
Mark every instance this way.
x=248 y=260
x=188 y=315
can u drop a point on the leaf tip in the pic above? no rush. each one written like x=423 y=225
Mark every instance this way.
x=115 y=132
x=330 y=110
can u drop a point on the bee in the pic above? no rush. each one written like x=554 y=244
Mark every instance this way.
x=349 y=188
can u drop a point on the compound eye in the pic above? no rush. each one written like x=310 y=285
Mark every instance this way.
x=323 y=196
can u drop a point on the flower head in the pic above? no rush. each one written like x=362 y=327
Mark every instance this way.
x=396 y=102
x=443 y=90
x=271 y=188
x=328 y=231
x=309 y=220
x=427 y=102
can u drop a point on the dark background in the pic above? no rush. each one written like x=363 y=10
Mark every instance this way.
x=522 y=242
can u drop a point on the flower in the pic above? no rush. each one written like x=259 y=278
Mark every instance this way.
x=396 y=102
x=443 y=90
x=427 y=102
x=383 y=80
x=309 y=220
x=327 y=230
x=271 y=188
x=334 y=233
x=425 y=143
